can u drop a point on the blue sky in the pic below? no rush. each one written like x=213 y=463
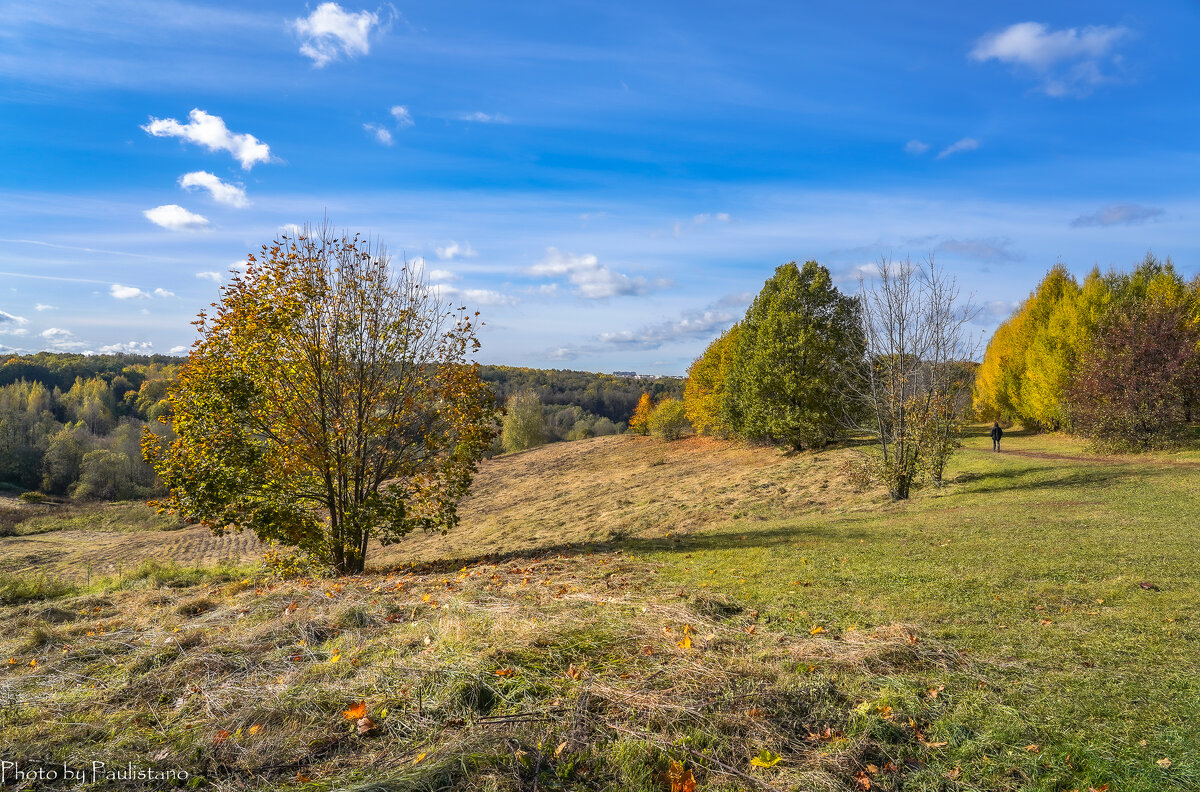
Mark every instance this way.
x=609 y=183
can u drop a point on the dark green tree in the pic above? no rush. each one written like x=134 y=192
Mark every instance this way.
x=800 y=343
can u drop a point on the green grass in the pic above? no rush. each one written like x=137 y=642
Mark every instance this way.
x=1032 y=568
x=993 y=635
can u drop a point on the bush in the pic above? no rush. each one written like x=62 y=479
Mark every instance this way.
x=1136 y=383
x=669 y=420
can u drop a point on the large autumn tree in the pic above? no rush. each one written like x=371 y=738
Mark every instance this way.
x=798 y=346
x=328 y=401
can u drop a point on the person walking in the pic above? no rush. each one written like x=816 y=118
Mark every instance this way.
x=996 y=434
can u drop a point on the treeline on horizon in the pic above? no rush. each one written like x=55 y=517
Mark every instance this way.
x=70 y=424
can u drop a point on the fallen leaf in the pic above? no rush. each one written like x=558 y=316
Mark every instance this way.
x=505 y=672
x=561 y=747
x=871 y=769
x=1163 y=763
x=303 y=779
x=420 y=756
x=221 y=737
x=765 y=759
x=680 y=780
x=861 y=781
x=365 y=726
x=357 y=711
x=336 y=658
x=816 y=630
x=573 y=672
x=255 y=729
x=955 y=773
x=933 y=692
x=1033 y=748
x=1044 y=622
x=686 y=643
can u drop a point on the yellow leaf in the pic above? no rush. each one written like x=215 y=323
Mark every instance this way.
x=765 y=759
x=255 y=729
x=816 y=630
x=680 y=780
x=686 y=643
x=420 y=756
x=337 y=656
x=561 y=747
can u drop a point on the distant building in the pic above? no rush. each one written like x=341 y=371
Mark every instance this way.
x=625 y=374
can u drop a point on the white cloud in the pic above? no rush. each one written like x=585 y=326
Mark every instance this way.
x=44 y=307
x=473 y=297
x=454 y=249
x=291 y=229
x=210 y=131
x=1118 y=214
x=222 y=192
x=179 y=350
x=402 y=117
x=719 y=217
x=175 y=218
x=483 y=118
x=215 y=277
x=330 y=32
x=916 y=147
x=690 y=325
x=126 y=292
x=11 y=320
x=128 y=348
x=1066 y=61
x=966 y=144
x=163 y=293
x=441 y=275
x=590 y=278
x=380 y=134
x=61 y=339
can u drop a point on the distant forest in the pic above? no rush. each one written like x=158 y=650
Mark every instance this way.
x=603 y=395
x=71 y=425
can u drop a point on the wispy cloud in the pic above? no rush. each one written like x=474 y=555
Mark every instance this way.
x=210 y=131
x=588 y=276
x=916 y=147
x=455 y=250
x=402 y=117
x=1068 y=61
x=61 y=339
x=221 y=192
x=1118 y=214
x=215 y=277
x=484 y=118
x=45 y=307
x=175 y=218
x=679 y=226
x=380 y=134
x=965 y=144
x=989 y=250
x=330 y=32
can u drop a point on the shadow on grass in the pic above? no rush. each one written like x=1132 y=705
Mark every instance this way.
x=1032 y=478
x=686 y=543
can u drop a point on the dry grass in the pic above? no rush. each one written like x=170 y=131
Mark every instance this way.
x=571 y=670
x=620 y=487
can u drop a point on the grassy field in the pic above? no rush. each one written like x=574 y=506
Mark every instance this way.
x=631 y=614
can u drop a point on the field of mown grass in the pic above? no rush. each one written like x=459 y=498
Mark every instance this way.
x=623 y=613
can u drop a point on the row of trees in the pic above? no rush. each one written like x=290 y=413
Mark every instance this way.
x=808 y=363
x=84 y=441
x=528 y=423
x=1115 y=359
